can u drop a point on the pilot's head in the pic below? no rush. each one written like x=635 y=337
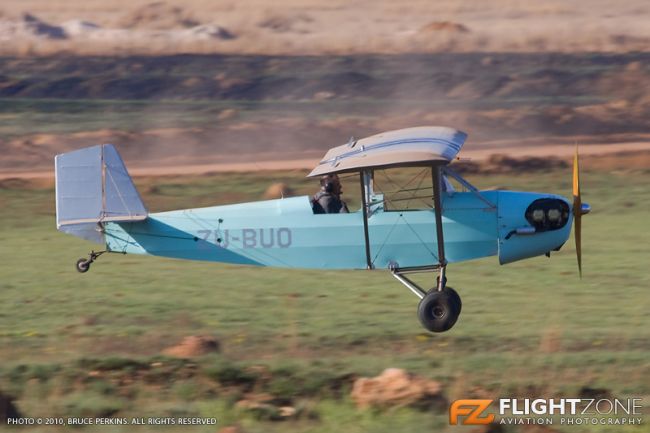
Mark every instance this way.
x=331 y=184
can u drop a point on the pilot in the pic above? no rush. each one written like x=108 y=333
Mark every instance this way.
x=328 y=199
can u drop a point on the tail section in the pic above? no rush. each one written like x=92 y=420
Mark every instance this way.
x=93 y=187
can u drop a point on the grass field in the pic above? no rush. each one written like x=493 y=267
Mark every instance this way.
x=90 y=345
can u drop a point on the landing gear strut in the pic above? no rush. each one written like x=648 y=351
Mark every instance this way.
x=83 y=265
x=439 y=307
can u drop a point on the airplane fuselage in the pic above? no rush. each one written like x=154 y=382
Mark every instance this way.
x=286 y=233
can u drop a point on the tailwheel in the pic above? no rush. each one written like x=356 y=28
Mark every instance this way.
x=438 y=311
x=82 y=265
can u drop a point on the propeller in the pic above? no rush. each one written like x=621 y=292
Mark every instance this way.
x=579 y=209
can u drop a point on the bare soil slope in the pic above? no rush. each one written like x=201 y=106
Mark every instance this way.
x=196 y=109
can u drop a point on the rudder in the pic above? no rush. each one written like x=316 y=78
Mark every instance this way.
x=93 y=187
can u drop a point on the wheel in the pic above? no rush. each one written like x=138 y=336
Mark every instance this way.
x=455 y=298
x=83 y=265
x=439 y=310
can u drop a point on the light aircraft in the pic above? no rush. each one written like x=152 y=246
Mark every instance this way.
x=97 y=200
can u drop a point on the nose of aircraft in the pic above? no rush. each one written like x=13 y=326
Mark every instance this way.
x=531 y=224
x=548 y=213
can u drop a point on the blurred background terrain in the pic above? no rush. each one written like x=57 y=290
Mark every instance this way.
x=318 y=27
x=214 y=102
x=213 y=82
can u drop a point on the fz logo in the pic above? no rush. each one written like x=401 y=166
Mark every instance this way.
x=472 y=410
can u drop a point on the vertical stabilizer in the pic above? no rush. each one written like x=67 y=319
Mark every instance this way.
x=92 y=187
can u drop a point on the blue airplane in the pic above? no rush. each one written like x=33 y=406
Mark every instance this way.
x=97 y=200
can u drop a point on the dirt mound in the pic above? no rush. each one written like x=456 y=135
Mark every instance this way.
x=13 y=183
x=40 y=28
x=157 y=16
x=7 y=408
x=267 y=407
x=444 y=26
x=210 y=31
x=79 y=27
x=595 y=393
x=622 y=160
x=395 y=388
x=284 y=24
x=194 y=345
x=277 y=190
x=499 y=163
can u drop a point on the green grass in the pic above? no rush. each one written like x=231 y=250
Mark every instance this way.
x=529 y=328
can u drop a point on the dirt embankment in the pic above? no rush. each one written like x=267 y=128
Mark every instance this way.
x=452 y=80
x=187 y=110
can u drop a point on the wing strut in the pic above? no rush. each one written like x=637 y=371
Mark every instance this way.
x=436 y=174
x=364 y=178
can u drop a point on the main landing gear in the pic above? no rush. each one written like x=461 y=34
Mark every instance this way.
x=438 y=311
x=439 y=307
x=83 y=265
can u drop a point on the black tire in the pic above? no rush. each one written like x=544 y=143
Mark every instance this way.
x=82 y=265
x=455 y=298
x=438 y=311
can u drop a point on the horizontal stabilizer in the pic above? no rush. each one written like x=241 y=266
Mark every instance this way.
x=92 y=187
